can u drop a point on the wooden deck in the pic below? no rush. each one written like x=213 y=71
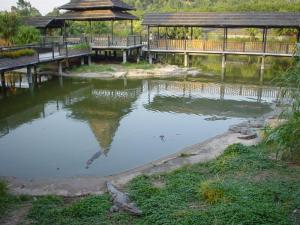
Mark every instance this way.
x=220 y=47
x=44 y=53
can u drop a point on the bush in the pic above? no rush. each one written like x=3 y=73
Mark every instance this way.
x=211 y=191
x=17 y=53
x=27 y=35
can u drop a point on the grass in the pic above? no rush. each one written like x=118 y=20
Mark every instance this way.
x=92 y=68
x=9 y=202
x=243 y=186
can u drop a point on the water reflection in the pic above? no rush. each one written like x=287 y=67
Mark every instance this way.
x=100 y=127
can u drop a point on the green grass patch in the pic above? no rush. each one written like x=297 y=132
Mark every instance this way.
x=17 y=53
x=243 y=186
x=9 y=202
x=93 y=68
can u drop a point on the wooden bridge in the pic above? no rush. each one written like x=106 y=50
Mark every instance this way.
x=42 y=53
x=163 y=36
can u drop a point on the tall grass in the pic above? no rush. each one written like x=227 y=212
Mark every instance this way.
x=286 y=137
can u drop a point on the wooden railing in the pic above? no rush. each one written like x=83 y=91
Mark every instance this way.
x=109 y=41
x=218 y=46
x=43 y=52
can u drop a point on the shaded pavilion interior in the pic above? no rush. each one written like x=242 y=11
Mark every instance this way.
x=97 y=10
x=161 y=26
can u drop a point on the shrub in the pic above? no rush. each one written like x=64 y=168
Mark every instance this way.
x=211 y=191
x=81 y=46
x=17 y=53
x=27 y=35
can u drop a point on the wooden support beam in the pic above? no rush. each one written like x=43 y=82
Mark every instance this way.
x=124 y=56
x=225 y=39
x=150 y=58
x=60 y=68
x=298 y=35
x=265 y=33
x=3 y=85
x=89 y=60
x=186 y=59
x=131 y=26
x=148 y=37
x=29 y=76
x=192 y=32
x=82 y=60
x=138 y=55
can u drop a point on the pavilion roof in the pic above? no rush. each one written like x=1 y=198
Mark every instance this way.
x=97 y=15
x=42 y=22
x=96 y=4
x=216 y=19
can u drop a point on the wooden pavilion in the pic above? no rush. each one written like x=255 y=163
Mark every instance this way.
x=104 y=10
x=160 y=38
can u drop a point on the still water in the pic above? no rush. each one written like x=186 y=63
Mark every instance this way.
x=77 y=127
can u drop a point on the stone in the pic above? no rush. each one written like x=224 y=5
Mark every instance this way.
x=215 y=118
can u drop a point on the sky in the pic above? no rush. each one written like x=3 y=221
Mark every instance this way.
x=44 y=6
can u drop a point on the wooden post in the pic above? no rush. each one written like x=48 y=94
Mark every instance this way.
x=131 y=26
x=158 y=37
x=298 y=36
x=166 y=38
x=223 y=61
x=192 y=32
x=124 y=56
x=150 y=58
x=89 y=60
x=82 y=60
x=29 y=76
x=112 y=31
x=262 y=69
x=185 y=44
x=137 y=55
x=60 y=68
x=148 y=37
x=186 y=59
x=225 y=39
x=265 y=32
x=3 y=85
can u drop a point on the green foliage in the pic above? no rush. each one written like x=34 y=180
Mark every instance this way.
x=92 y=68
x=286 y=137
x=27 y=35
x=24 y=8
x=211 y=191
x=9 y=25
x=17 y=53
x=266 y=193
x=80 y=46
x=8 y=201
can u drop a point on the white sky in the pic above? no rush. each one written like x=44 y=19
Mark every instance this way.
x=44 y=6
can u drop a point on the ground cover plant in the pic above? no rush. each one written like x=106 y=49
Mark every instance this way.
x=243 y=186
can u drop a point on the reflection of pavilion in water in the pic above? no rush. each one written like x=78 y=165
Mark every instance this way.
x=104 y=107
x=202 y=98
x=101 y=103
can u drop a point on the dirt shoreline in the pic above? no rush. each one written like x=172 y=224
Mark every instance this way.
x=159 y=71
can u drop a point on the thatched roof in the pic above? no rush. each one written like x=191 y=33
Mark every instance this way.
x=216 y=19
x=96 y=4
x=97 y=15
x=42 y=22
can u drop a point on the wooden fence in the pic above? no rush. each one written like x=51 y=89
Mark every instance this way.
x=220 y=46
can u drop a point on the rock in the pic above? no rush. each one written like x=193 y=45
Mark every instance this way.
x=248 y=136
x=215 y=118
x=121 y=201
x=193 y=73
x=119 y=74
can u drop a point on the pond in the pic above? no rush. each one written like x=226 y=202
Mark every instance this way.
x=89 y=127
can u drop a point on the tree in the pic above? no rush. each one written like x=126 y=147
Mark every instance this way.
x=25 y=8
x=9 y=24
x=27 y=35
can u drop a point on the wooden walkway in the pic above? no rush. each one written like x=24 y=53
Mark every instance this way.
x=220 y=47
x=43 y=53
